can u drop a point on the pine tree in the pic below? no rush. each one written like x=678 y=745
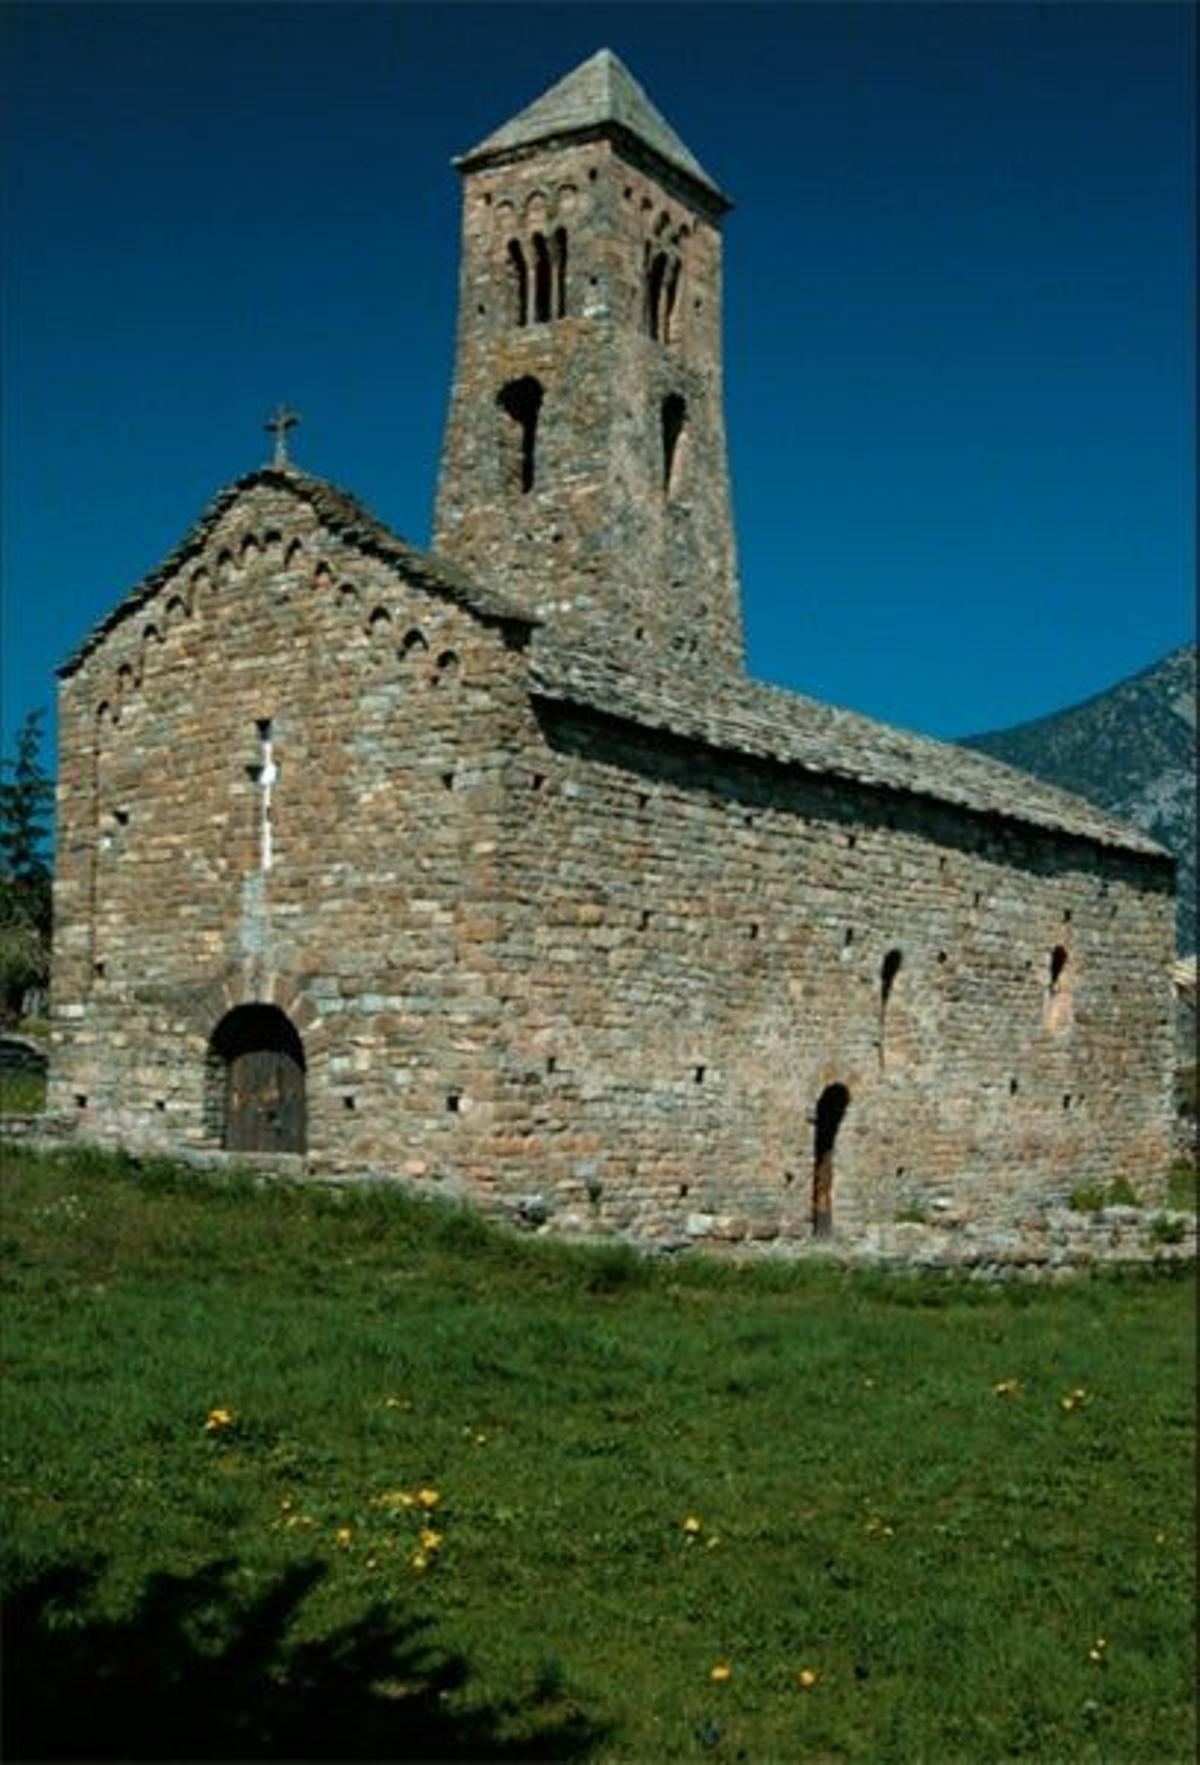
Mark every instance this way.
x=26 y=795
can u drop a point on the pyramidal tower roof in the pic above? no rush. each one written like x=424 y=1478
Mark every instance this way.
x=599 y=97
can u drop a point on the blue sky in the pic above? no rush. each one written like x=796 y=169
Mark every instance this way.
x=959 y=295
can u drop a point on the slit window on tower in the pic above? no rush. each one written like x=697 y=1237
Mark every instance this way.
x=674 y=416
x=521 y=403
x=560 y=272
x=542 y=279
x=518 y=276
x=670 y=296
x=655 y=275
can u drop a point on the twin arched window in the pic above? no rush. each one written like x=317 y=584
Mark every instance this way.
x=538 y=281
x=663 y=271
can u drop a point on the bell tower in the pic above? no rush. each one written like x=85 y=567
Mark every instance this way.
x=584 y=468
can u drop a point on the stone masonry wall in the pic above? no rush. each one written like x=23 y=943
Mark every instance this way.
x=600 y=539
x=372 y=929
x=702 y=943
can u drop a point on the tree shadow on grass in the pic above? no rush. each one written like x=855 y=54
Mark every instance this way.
x=196 y=1671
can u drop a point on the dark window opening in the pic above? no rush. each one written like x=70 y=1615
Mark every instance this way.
x=1058 y=962
x=542 y=279
x=349 y=1103
x=80 y=1100
x=518 y=278
x=551 y=1062
x=560 y=272
x=1013 y=1087
x=655 y=274
x=671 y=296
x=413 y=640
x=699 y=1074
x=888 y=971
x=521 y=402
x=453 y=1102
x=831 y=1107
x=674 y=416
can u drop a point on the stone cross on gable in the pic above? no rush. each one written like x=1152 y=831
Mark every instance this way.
x=278 y=426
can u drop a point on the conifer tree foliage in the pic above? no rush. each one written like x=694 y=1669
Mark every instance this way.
x=26 y=796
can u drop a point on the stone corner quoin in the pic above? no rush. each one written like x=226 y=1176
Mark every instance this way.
x=491 y=870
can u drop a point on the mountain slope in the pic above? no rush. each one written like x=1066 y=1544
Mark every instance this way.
x=1130 y=750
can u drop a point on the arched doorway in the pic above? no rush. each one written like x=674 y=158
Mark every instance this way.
x=831 y=1107
x=257 y=1064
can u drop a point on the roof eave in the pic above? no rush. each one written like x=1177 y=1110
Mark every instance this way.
x=704 y=194
x=371 y=536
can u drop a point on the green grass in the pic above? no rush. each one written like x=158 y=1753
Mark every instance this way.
x=1090 y=1198
x=1182 y=1185
x=22 y=1093
x=944 y=1556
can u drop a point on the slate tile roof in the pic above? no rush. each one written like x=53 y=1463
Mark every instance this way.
x=598 y=96
x=733 y=713
x=341 y=514
x=727 y=712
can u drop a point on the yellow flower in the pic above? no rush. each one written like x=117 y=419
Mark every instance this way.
x=807 y=1676
x=218 y=1419
x=721 y=1673
x=712 y=1543
x=344 y=1537
x=395 y=1498
x=692 y=1524
x=430 y=1539
x=419 y=1561
x=1007 y=1387
x=428 y=1498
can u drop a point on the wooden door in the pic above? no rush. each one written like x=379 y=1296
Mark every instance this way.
x=265 y=1102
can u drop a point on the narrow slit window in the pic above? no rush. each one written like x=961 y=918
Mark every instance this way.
x=674 y=417
x=542 y=279
x=560 y=273
x=521 y=402
x=1059 y=990
x=670 y=301
x=654 y=292
x=518 y=279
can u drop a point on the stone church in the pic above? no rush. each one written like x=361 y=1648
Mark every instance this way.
x=490 y=870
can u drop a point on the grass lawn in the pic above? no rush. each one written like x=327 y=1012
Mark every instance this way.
x=292 y=1475
x=22 y=1093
